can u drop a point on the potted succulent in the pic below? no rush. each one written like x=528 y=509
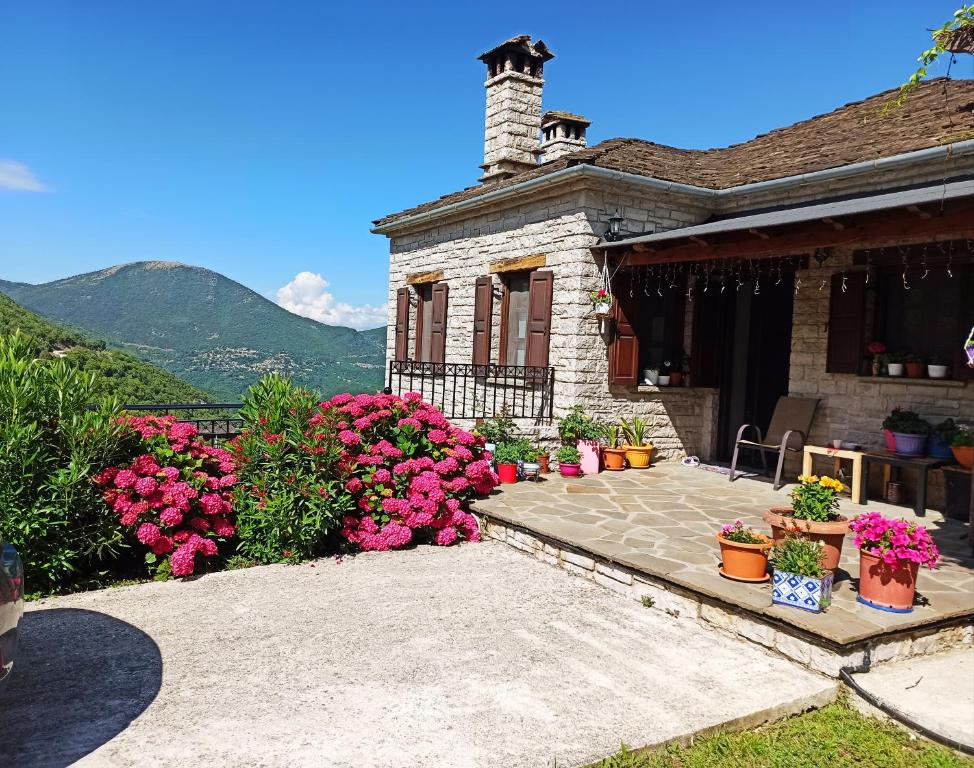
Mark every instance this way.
x=638 y=451
x=962 y=447
x=937 y=367
x=909 y=430
x=577 y=428
x=614 y=456
x=914 y=367
x=890 y=555
x=601 y=301
x=743 y=552
x=664 y=373
x=507 y=457
x=941 y=437
x=894 y=364
x=814 y=514
x=800 y=578
x=877 y=349
x=569 y=461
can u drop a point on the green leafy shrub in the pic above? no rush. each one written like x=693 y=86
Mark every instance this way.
x=55 y=435
x=498 y=429
x=507 y=453
x=290 y=497
x=577 y=425
x=568 y=454
x=906 y=422
x=798 y=555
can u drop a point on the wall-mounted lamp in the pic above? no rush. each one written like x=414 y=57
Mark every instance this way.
x=615 y=231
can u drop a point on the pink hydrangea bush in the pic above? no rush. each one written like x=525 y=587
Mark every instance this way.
x=894 y=541
x=175 y=497
x=408 y=470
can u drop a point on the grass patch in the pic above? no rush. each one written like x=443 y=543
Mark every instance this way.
x=835 y=736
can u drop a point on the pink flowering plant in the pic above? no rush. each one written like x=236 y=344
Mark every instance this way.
x=174 y=497
x=407 y=469
x=896 y=542
x=741 y=534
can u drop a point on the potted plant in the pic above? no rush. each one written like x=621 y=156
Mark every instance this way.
x=664 y=373
x=909 y=430
x=962 y=447
x=543 y=461
x=678 y=370
x=638 y=452
x=601 y=301
x=941 y=437
x=615 y=457
x=569 y=461
x=937 y=367
x=914 y=367
x=800 y=578
x=894 y=364
x=876 y=349
x=498 y=429
x=528 y=466
x=890 y=555
x=743 y=552
x=651 y=376
x=577 y=428
x=507 y=456
x=814 y=514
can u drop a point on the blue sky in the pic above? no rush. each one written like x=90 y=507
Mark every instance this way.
x=259 y=139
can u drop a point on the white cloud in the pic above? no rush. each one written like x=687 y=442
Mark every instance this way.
x=19 y=177
x=307 y=295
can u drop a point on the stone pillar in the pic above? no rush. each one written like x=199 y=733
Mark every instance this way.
x=513 y=122
x=561 y=134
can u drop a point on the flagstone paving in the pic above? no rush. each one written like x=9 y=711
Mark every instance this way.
x=662 y=521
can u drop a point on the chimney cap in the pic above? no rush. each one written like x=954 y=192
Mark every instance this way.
x=521 y=44
x=550 y=117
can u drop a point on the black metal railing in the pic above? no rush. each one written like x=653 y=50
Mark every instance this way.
x=221 y=421
x=464 y=391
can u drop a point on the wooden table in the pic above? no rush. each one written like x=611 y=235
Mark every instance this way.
x=890 y=460
x=858 y=492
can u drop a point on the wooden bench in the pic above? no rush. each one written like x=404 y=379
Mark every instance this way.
x=858 y=492
x=920 y=464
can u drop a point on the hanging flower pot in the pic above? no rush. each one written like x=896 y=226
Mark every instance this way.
x=601 y=302
x=602 y=308
x=890 y=555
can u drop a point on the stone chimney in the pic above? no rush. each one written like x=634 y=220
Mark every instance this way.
x=562 y=133
x=513 y=125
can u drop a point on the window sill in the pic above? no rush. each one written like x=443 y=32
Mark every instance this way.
x=649 y=389
x=949 y=383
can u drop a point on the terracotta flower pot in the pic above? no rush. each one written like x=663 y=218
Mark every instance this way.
x=570 y=470
x=638 y=456
x=543 y=461
x=831 y=534
x=615 y=458
x=676 y=378
x=887 y=587
x=915 y=370
x=744 y=562
x=964 y=454
x=591 y=452
x=507 y=473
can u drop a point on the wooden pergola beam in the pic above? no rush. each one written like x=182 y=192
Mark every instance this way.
x=870 y=230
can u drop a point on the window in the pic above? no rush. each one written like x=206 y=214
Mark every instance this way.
x=514 y=350
x=431 y=307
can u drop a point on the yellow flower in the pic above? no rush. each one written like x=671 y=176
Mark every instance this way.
x=808 y=478
x=829 y=482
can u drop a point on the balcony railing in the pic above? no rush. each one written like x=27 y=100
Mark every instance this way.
x=216 y=422
x=464 y=391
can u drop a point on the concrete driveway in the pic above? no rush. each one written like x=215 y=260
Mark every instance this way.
x=463 y=656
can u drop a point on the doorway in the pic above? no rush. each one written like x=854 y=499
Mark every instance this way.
x=757 y=359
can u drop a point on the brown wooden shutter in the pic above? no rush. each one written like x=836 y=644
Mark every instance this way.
x=483 y=307
x=540 y=291
x=402 y=323
x=847 y=311
x=438 y=331
x=624 y=347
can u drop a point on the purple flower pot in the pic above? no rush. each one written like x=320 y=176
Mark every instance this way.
x=910 y=445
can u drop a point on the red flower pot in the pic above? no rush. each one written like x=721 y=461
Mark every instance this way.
x=570 y=470
x=890 y=440
x=507 y=473
x=915 y=370
x=887 y=587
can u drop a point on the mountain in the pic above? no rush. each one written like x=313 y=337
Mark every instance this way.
x=207 y=329
x=121 y=374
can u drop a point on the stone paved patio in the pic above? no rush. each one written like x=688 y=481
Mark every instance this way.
x=662 y=522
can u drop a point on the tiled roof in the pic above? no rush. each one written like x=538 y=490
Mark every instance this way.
x=937 y=112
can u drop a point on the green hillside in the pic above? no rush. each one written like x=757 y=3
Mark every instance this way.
x=207 y=329
x=121 y=374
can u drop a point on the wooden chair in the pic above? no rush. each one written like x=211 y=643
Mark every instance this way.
x=788 y=431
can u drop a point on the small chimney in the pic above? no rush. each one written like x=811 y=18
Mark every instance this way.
x=561 y=134
x=512 y=130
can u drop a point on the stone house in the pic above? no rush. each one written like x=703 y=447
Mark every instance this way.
x=769 y=264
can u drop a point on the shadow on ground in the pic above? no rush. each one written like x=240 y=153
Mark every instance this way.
x=80 y=678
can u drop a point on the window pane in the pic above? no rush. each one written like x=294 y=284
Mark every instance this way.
x=923 y=319
x=426 y=323
x=517 y=320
